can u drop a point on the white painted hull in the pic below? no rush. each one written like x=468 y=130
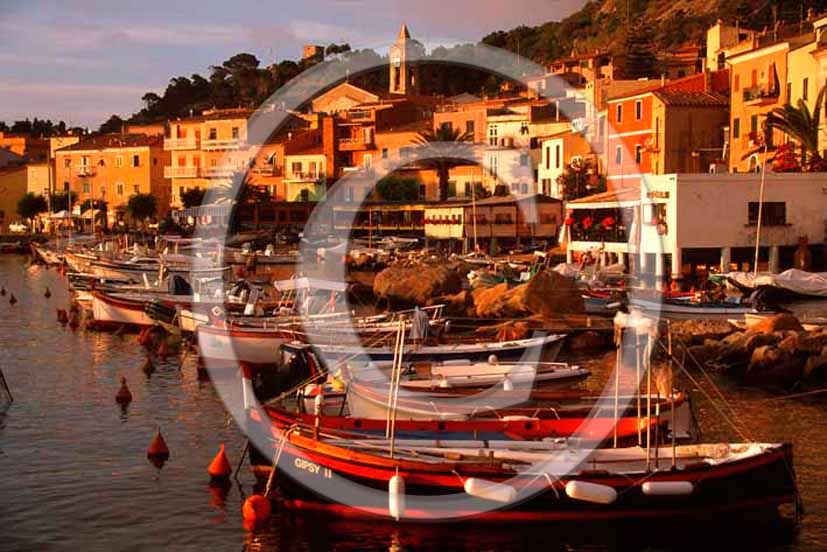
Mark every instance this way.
x=109 y=313
x=227 y=346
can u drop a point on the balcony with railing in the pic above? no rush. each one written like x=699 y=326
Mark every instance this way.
x=221 y=144
x=760 y=94
x=189 y=143
x=354 y=144
x=219 y=171
x=182 y=172
x=85 y=170
x=357 y=116
x=305 y=176
x=266 y=170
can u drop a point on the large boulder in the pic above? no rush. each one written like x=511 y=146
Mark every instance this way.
x=777 y=323
x=459 y=304
x=812 y=343
x=771 y=365
x=547 y=294
x=416 y=285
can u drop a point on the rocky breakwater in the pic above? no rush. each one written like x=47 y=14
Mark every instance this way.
x=777 y=351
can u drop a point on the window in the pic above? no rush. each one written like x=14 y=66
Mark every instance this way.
x=469 y=128
x=618 y=155
x=119 y=161
x=119 y=188
x=235 y=133
x=523 y=128
x=736 y=127
x=296 y=167
x=182 y=160
x=753 y=123
x=557 y=155
x=212 y=134
x=789 y=92
x=492 y=165
x=447 y=126
x=524 y=160
x=619 y=113
x=384 y=153
x=638 y=110
x=774 y=213
x=736 y=83
x=492 y=135
x=452 y=189
x=638 y=153
x=804 y=85
x=66 y=186
x=67 y=162
x=367 y=160
x=136 y=189
x=85 y=187
x=136 y=160
x=524 y=188
x=84 y=161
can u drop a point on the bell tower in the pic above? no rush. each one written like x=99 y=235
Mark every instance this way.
x=404 y=63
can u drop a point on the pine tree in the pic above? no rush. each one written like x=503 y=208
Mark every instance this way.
x=638 y=52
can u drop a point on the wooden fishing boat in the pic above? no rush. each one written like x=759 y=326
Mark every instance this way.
x=428 y=479
x=686 y=309
x=118 y=309
x=544 y=348
x=47 y=255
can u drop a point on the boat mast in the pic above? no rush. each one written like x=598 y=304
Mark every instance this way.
x=760 y=210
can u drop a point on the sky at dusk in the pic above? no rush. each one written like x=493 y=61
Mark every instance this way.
x=82 y=60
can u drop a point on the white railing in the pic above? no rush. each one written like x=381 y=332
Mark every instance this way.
x=180 y=143
x=85 y=170
x=221 y=144
x=181 y=172
x=221 y=170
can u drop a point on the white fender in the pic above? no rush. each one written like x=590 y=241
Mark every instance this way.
x=396 y=497
x=490 y=490
x=318 y=403
x=508 y=385
x=591 y=492
x=668 y=488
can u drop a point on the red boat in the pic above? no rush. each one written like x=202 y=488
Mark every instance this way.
x=427 y=479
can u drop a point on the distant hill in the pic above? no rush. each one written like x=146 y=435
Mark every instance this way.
x=605 y=24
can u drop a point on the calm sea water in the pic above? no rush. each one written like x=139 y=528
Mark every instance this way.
x=74 y=474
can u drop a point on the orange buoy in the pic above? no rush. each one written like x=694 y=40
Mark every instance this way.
x=158 y=448
x=48 y=293
x=124 y=395
x=3 y=291
x=163 y=349
x=13 y=299
x=256 y=509
x=62 y=316
x=147 y=367
x=220 y=467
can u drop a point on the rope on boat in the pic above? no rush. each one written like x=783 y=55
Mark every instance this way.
x=6 y=386
x=276 y=459
x=712 y=401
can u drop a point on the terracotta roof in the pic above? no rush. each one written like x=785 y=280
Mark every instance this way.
x=686 y=98
x=109 y=141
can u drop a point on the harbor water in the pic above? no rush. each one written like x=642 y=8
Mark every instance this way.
x=74 y=473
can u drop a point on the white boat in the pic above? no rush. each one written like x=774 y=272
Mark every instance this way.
x=112 y=309
x=690 y=310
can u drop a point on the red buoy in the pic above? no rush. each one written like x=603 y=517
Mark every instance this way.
x=256 y=509
x=124 y=395
x=158 y=448
x=220 y=467
x=3 y=291
x=13 y=299
x=48 y=293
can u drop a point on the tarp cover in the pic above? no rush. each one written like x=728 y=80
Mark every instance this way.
x=813 y=284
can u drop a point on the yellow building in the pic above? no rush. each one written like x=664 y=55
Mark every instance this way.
x=205 y=151
x=112 y=168
x=13 y=186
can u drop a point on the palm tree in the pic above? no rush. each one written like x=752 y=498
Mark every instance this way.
x=442 y=165
x=802 y=125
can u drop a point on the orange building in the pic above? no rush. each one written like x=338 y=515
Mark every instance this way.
x=114 y=167
x=666 y=127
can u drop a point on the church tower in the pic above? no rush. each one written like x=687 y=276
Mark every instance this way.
x=404 y=63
